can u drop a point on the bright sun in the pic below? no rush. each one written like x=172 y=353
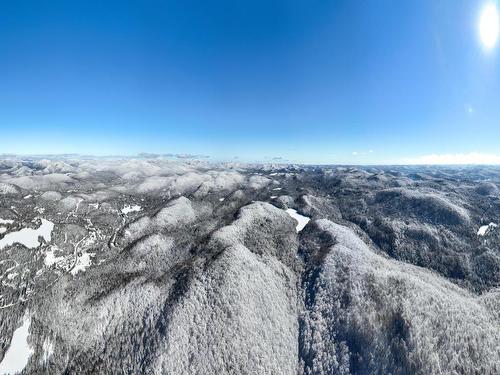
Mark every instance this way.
x=489 y=25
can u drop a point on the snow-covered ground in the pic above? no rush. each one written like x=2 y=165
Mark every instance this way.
x=19 y=351
x=301 y=219
x=51 y=258
x=48 y=349
x=241 y=276
x=28 y=236
x=128 y=209
x=485 y=228
x=82 y=263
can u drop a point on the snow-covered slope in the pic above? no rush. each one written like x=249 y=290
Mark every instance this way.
x=161 y=267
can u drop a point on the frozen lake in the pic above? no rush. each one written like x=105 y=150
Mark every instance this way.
x=19 y=351
x=29 y=237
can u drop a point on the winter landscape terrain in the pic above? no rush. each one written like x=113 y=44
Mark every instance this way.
x=153 y=266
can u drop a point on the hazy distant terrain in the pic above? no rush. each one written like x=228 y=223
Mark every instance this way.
x=188 y=267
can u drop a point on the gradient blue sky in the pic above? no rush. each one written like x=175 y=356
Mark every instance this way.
x=309 y=81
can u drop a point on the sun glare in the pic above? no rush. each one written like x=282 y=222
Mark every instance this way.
x=489 y=25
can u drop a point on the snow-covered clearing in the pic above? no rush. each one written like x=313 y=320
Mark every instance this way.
x=51 y=258
x=485 y=228
x=128 y=209
x=82 y=263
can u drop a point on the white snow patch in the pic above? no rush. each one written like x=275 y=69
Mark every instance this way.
x=50 y=257
x=274 y=196
x=3 y=230
x=28 y=236
x=221 y=199
x=302 y=220
x=48 y=349
x=485 y=228
x=127 y=209
x=4 y=221
x=78 y=204
x=82 y=263
x=278 y=188
x=19 y=351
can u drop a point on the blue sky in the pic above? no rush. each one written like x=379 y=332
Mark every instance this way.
x=310 y=81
